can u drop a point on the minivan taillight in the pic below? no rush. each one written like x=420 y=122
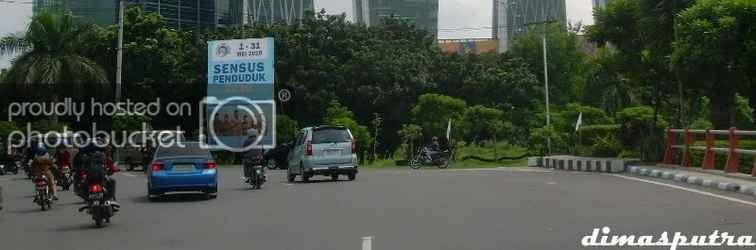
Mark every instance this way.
x=354 y=146
x=210 y=165
x=157 y=166
x=309 y=148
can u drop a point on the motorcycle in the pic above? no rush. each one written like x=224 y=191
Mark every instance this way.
x=100 y=208
x=65 y=178
x=254 y=173
x=42 y=196
x=423 y=157
x=9 y=167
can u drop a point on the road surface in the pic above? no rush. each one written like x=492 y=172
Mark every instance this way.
x=516 y=208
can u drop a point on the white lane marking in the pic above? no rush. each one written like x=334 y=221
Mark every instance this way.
x=551 y=183
x=688 y=189
x=129 y=175
x=367 y=243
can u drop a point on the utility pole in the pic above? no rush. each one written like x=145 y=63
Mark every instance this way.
x=546 y=87
x=119 y=62
x=546 y=79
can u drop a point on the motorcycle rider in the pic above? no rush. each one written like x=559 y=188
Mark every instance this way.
x=97 y=166
x=63 y=159
x=41 y=166
x=147 y=152
x=251 y=157
x=434 y=148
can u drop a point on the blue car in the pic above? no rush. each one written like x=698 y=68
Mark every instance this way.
x=182 y=168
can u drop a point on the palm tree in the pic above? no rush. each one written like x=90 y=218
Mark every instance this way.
x=51 y=53
x=51 y=57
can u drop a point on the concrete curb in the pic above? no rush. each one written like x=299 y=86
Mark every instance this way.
x=710 y=182
x=583 y=164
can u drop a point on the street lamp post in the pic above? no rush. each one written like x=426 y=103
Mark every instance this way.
x=546 y=80
x=546 y=88
x=119 y=62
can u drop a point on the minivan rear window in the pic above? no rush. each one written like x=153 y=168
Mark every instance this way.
x=330 y=135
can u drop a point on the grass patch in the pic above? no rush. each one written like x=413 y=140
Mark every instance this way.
x=487 y=151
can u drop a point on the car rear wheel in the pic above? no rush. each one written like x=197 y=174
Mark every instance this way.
x=271 y=164
x=334 y=177
x=352 y=176
x=305 y=178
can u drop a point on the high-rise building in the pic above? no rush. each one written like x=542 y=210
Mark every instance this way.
x=88 y=11
x=600 y=3
x=269 y=11
x=424 y=13
x=513 y=17
x=179 y=14
x=182 y=14
x=186 y=14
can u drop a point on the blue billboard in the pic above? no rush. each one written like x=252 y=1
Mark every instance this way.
x=240 y=104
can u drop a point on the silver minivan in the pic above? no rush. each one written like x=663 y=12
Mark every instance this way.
x=324 y=150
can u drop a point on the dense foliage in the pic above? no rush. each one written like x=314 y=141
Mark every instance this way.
x=659 y=63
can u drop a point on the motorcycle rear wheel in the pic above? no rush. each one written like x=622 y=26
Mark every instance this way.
x=444 y=164
x=415 y=163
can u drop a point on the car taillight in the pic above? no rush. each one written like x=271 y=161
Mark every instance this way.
x=210 y=165
x=309 y=148
x=157 y=166
x=96 y=188
x=354 y=146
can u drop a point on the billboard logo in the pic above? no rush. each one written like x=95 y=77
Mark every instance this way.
x=223 y=50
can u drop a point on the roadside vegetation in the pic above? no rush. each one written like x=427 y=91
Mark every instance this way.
x=670 y=63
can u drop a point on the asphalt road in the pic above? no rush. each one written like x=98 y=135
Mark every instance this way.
x=400 y=209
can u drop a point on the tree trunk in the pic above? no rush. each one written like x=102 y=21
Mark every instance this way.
x=722 y=107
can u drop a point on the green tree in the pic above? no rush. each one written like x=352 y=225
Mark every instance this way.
x=131 y=123
x=410 y=134
x=433 y=111
x=715 y=51
x=566 y=60
x=338 y=115
x=482 y=123
x=642 y=31
x=51 y=54
x=286 y=128
x=6 y=128
x=638 y=128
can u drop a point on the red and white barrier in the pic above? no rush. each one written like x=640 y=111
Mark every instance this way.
x=689 y=139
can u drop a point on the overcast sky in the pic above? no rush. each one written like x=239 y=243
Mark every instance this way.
x=457 y=18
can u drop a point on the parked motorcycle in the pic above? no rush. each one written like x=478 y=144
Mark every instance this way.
x=425 y=158
x=43 y=195
x=11 y=168
x=98 y=206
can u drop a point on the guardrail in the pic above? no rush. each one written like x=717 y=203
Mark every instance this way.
x=710 y=152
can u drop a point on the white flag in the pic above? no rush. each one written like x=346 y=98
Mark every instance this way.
x=579 y=121
x=448 y=130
